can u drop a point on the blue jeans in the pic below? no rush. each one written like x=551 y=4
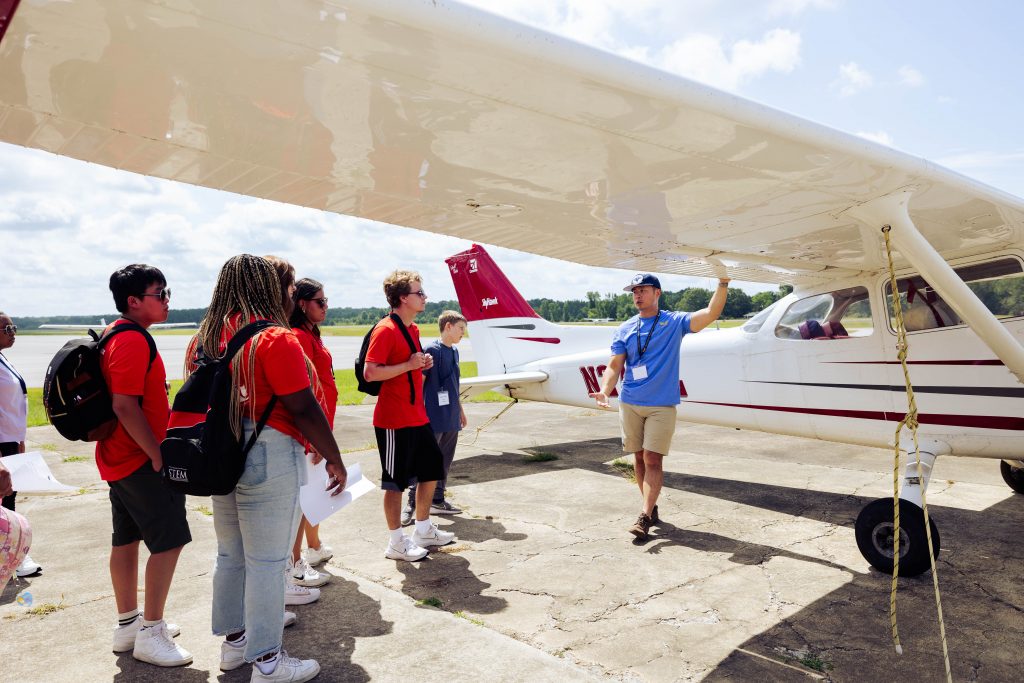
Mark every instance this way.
x=255 y=528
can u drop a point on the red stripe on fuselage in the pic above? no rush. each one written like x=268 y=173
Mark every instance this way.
x=976 y=421
x=992 y=361
x=543 y=340
x=7 y=9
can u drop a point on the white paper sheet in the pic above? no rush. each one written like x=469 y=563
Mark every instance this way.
x=317 y=502
x=29 y=474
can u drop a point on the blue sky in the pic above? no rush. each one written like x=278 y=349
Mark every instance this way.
x=936 y=79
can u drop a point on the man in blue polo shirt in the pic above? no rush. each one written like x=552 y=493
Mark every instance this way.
x=647 y=347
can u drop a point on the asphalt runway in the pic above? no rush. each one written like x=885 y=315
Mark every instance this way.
x=31 y=353
x=753 y=574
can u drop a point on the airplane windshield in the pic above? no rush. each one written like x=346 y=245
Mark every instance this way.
x=841 y=314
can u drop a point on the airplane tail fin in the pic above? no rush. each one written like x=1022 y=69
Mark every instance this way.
x=506 y=333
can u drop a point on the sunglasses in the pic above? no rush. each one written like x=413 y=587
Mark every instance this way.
x=322 y=301
x=420 y=293
x=10 y=329
x=164 y=294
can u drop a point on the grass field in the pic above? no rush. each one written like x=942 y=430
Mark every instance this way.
x=348 y=395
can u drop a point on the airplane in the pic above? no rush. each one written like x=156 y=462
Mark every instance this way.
x=436 y=116
x=103 y=324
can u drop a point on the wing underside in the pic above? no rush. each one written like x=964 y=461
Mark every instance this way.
x=439 y=117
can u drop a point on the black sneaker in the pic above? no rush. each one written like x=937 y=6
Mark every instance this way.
x=642 y=526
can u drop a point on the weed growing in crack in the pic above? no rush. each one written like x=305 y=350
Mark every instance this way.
x=430 y=602
x=625 y=468
x=540 y=456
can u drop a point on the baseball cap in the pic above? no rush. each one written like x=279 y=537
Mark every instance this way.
x=641 y=279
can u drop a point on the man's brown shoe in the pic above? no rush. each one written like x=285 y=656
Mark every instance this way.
x=642 y=526
x=654 y=516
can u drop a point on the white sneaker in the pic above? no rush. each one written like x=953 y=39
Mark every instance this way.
x=28 y=567
x=299 y=595
x=124 y=636
x=154 y=645
x=408 y=551
x=303 y=575
x=315 y=556
x=289 y=618
x=434 y=538
x=231 y=656
x=288 y=669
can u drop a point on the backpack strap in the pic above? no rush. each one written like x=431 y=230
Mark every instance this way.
x=125 y=327
x=412 y=347
x=235 y=344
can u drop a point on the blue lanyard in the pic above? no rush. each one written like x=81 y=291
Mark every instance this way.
x=654 y=326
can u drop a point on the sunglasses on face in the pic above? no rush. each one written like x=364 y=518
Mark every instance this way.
x=420 y=293
x=10 y=329
x=322 y=301
x=164 y=294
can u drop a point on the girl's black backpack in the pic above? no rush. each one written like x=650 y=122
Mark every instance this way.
x=201 y=454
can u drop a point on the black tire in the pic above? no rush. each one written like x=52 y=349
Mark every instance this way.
x=874 y=530
x=1013 y=474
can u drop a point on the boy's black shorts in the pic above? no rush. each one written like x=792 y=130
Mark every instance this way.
x=144 y=508
x=408 y=456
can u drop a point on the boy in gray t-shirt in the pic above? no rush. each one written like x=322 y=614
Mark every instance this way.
x=441 y=398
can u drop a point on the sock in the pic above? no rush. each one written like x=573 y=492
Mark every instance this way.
x=424 y=526
x=238 y=642
x=126 y=618
x=146 y=623
x=268 y=665
x=397 y=536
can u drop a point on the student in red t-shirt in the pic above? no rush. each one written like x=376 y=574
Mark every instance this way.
x=302 y=582
x=144 y=508
x=310 y=310
x=255 y=524
x=408 y=451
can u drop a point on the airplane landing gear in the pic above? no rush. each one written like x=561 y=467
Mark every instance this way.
x=1013 y=474
x=874 y=532
x=875 y=525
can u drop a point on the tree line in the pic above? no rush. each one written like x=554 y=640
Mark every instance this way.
x=614 y=306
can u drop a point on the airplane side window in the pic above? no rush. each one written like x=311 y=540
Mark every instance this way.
x=840 y=314
x=998 y=284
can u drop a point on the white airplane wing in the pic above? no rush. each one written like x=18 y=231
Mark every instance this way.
x=436 y=116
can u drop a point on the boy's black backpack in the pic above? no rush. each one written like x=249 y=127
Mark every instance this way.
x=201 y=454
x=373 y=388
x=75 y=395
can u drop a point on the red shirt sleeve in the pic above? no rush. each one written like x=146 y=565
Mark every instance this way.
x=283 y=362
x=127 y=357
x=382 y=342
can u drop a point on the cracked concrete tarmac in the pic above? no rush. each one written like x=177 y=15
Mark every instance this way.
x=753 y=573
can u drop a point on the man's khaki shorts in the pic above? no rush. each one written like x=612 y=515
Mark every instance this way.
x=647 y=427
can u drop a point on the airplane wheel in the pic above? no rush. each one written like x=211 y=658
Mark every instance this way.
x=874 y=531
x=1013 y=474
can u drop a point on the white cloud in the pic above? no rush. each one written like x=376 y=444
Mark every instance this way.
x=705 y=59
x=707 y=51
x=852 y=79
x=911 y=77
x=879 y=136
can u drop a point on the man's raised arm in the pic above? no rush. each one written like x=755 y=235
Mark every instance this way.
x=705 y=316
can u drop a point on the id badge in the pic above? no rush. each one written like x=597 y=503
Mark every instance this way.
x=442 y=398
x=639 y=372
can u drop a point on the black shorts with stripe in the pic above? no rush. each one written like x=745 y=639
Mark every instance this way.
x=408 y=456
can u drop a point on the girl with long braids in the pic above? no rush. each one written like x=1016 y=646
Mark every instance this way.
x=255 y=523
x=309 y=311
